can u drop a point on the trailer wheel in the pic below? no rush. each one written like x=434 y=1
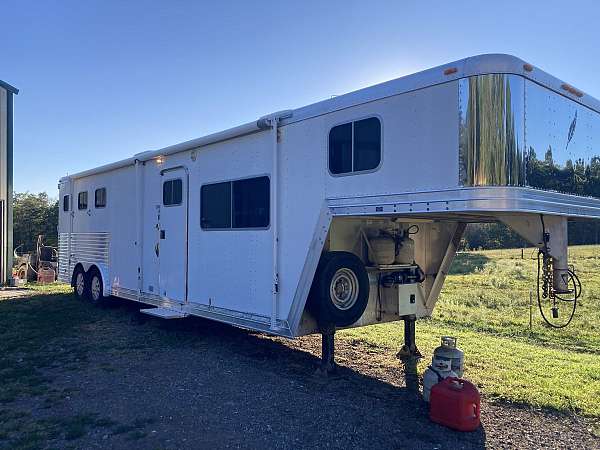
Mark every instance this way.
x=340 y=289
x=96 y=287
x=80 y=283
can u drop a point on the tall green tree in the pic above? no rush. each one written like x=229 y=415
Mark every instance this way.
x=34 y=214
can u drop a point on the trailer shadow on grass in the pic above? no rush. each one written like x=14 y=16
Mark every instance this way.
x=73 y=374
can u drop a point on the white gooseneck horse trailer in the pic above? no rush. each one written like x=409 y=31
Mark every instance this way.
x=347 y=212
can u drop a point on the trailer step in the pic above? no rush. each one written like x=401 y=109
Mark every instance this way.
x=164 y=313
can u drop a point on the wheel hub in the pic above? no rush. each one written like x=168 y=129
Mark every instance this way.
x=344 y=289
x=95 y=288
x=80 y=284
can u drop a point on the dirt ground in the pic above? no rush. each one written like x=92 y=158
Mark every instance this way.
x=15 y=292
x=128 y=381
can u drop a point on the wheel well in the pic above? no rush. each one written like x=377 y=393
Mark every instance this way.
x=78 y=267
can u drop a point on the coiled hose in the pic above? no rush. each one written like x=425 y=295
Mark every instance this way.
x=573 y=278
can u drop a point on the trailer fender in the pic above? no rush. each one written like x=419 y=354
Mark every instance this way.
x=310 y=268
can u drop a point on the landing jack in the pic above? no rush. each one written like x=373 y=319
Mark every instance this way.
x=328 y=365
x=409 y=349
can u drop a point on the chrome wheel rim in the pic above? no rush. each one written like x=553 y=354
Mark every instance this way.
x=80 y=284
x=343 y=289
x=95 y=288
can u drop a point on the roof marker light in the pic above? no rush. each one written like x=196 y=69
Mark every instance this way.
x=571 y=90
x=527 y=67
x=450 y=71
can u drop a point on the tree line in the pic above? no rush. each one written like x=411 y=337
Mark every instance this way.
x=578 y=177
x=35 y=214
x=489 y=236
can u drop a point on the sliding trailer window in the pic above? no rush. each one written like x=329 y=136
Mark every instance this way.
x=100 y=198
x=82 y=200
x=172 y=192
x=239 y=204
x=66 y=202
x=355 y=146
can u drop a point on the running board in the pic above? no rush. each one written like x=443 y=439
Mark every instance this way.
x=164 y=313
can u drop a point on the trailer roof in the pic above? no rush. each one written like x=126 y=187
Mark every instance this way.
x=8 y=87
x=475 y=65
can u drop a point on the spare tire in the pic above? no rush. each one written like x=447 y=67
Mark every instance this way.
x=340 y=289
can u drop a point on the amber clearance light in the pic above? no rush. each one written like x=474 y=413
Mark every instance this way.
x=571 y=90
x=450 y=71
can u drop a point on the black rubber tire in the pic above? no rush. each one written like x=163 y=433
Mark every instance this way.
x=320 y=303
x=81 y=295
x=95 y=273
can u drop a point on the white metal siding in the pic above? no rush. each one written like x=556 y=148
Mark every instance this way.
x=86 y=248
x=231 y=270
x=64 y=268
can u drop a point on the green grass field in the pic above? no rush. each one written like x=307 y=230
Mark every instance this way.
x=485 y=303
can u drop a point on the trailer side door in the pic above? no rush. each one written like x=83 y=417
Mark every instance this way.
x=172 y=245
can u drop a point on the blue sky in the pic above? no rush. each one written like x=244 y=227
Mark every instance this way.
x=102 y=80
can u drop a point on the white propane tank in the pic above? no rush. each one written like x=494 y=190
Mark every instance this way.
x=449 y=350
x=439 y=370
x=382 y=250
x=406 y=252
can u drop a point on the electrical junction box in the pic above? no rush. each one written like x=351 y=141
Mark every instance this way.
x=408 y=295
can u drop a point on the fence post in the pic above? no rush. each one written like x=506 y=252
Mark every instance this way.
x=530 y=310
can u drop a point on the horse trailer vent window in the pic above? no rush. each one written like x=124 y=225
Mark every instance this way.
x=82 y=201
x=355 y=146
x=66 y=203
x=100 y=198
x=172 y=192
x=236 y=204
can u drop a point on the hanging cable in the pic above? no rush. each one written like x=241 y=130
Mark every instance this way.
x=545 y=272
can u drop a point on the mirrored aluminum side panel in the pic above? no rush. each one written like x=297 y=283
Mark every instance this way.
x=563 y=142
x=492 y=134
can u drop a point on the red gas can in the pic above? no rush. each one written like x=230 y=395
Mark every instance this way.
x=455 y=403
